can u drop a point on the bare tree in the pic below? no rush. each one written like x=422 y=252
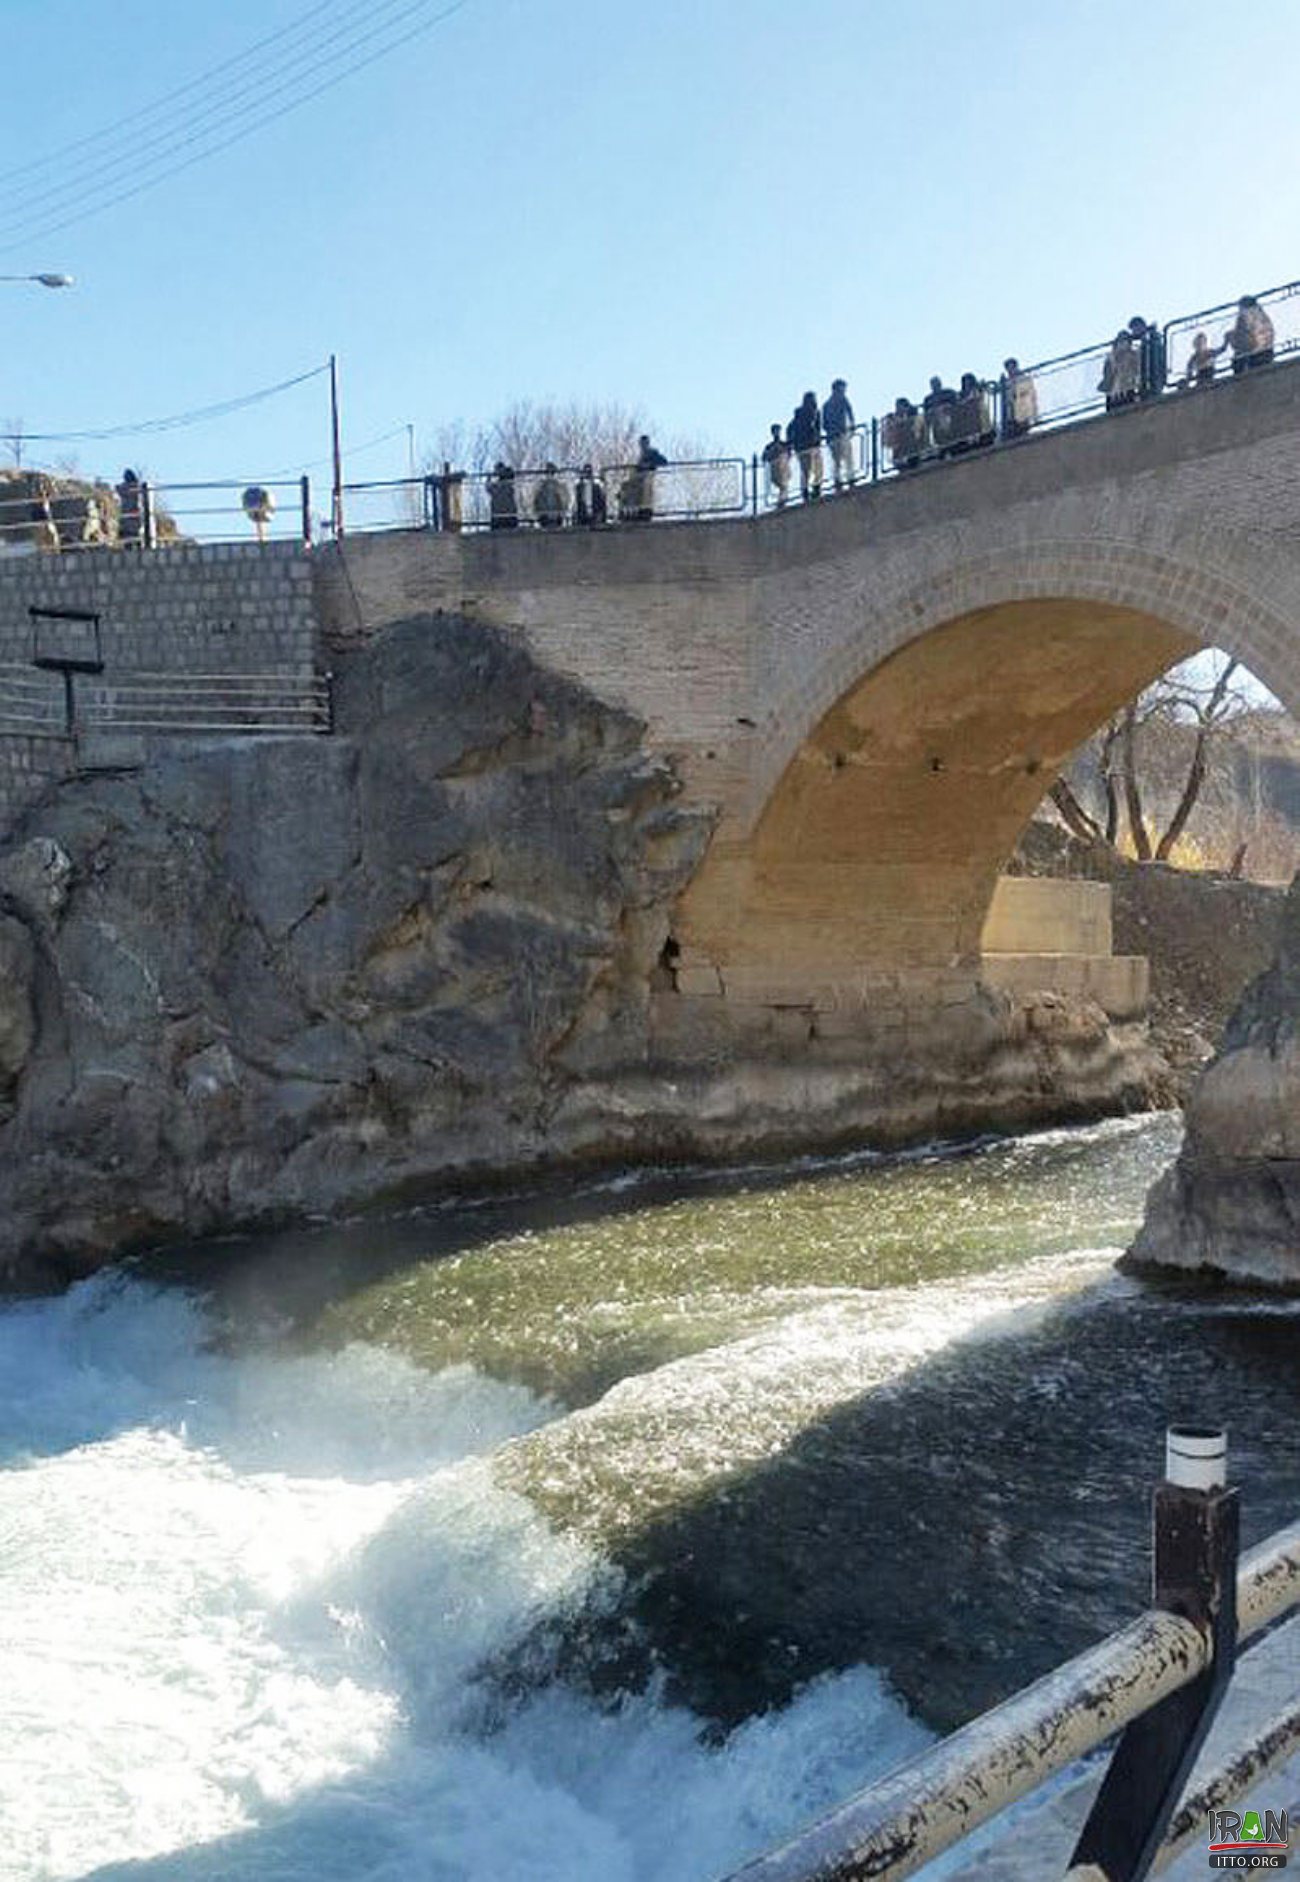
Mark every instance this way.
x=1192 y=697
x=528 y=435
x=13 y=434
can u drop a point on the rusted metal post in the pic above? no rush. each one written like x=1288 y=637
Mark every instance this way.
x=1195 y=1521
x=147 y=530
x=305 y=495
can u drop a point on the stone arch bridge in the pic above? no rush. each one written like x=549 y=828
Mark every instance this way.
x=874 y=693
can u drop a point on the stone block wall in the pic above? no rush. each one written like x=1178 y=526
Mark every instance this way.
x=178 y=611
x=224 y=608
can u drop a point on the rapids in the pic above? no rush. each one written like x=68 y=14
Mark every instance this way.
x=582 y=1537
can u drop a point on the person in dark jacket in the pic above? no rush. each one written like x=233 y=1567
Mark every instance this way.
x=130 y=511
x=973 y=424
x=804 y=436
x=837 y=424
x=1152 y=365
x=776 y=459
x=647 y=463
x=550 y=499
x=503 y=505
x=904 y=435
x=940 y=408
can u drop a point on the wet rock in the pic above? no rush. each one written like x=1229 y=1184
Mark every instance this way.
x=1231 y=1203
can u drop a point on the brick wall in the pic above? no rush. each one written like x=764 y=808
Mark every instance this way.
x=181 y=611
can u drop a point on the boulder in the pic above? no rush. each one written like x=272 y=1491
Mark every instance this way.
x=1230 y=1206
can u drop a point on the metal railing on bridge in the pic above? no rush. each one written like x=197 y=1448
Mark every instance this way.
x=1159 y=1682
x=981 y=415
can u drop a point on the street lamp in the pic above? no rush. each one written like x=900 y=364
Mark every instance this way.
x=46 y=280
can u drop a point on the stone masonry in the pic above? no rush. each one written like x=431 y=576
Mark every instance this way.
x=179 y=611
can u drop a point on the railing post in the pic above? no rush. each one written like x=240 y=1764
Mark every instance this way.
x=875 y=450
x=1195 y=1521
x=305 y=493
x=146 y=515
x=753 y=484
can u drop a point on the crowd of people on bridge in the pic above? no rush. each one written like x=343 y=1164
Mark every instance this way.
x=559 y=499
x=948 y=422
x=1135 y=368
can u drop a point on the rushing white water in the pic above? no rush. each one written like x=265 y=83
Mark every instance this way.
x=239 y=1599
x=244 y=1596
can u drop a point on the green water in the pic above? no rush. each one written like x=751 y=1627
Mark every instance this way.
x=625 y=1282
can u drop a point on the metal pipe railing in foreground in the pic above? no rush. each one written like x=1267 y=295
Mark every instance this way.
x=916 y=1812
x=939 y=1797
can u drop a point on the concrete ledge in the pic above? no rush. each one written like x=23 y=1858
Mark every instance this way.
x=1118 y=983
x=1041 y=915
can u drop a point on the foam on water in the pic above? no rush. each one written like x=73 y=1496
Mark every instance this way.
x=240 y=1599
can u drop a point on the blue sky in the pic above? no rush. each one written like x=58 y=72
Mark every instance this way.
x=698 y=207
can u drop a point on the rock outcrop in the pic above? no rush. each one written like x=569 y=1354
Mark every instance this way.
x=1231 y=1203
x=263 y=978
x=268 y=978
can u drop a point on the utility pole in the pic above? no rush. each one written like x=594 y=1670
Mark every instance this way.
x=337 y=450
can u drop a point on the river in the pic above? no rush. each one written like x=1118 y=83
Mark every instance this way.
x=593 y=1536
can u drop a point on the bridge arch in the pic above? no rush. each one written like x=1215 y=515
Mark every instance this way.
x=1203 y=602
x=895 y=777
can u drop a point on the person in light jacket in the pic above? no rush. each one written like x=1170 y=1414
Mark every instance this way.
x=1251 y=336
x=1119 y=374
x=1019 y=400
x=590 y=507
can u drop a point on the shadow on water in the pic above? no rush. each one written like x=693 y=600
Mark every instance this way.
x=964 y=1528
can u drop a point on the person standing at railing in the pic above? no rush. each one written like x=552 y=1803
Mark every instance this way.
x=130 y=511
x=550 y=499
x=776 y=461
x=837 y=424
x=648 y=462
x=972 y=422
x=804 y=436
x=1019 y=400
x=904 y=435
x=1152 y=364
x=940 y=407
x=1251 y=337
x=503 y=505
x=590 y=506
x=1119 y=374
x=1201 y=366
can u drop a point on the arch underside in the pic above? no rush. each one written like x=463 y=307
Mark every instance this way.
x=882 y=842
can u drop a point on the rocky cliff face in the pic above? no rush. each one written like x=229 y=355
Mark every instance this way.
x=1231 y=1203
x=264 y=978
x=270 y=978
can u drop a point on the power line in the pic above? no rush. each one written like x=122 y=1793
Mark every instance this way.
x=17 y=232
x=98 y=172
x=198 y=416
x=108 y=131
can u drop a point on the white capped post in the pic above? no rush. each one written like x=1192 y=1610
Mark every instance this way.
x=1196 y=1457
